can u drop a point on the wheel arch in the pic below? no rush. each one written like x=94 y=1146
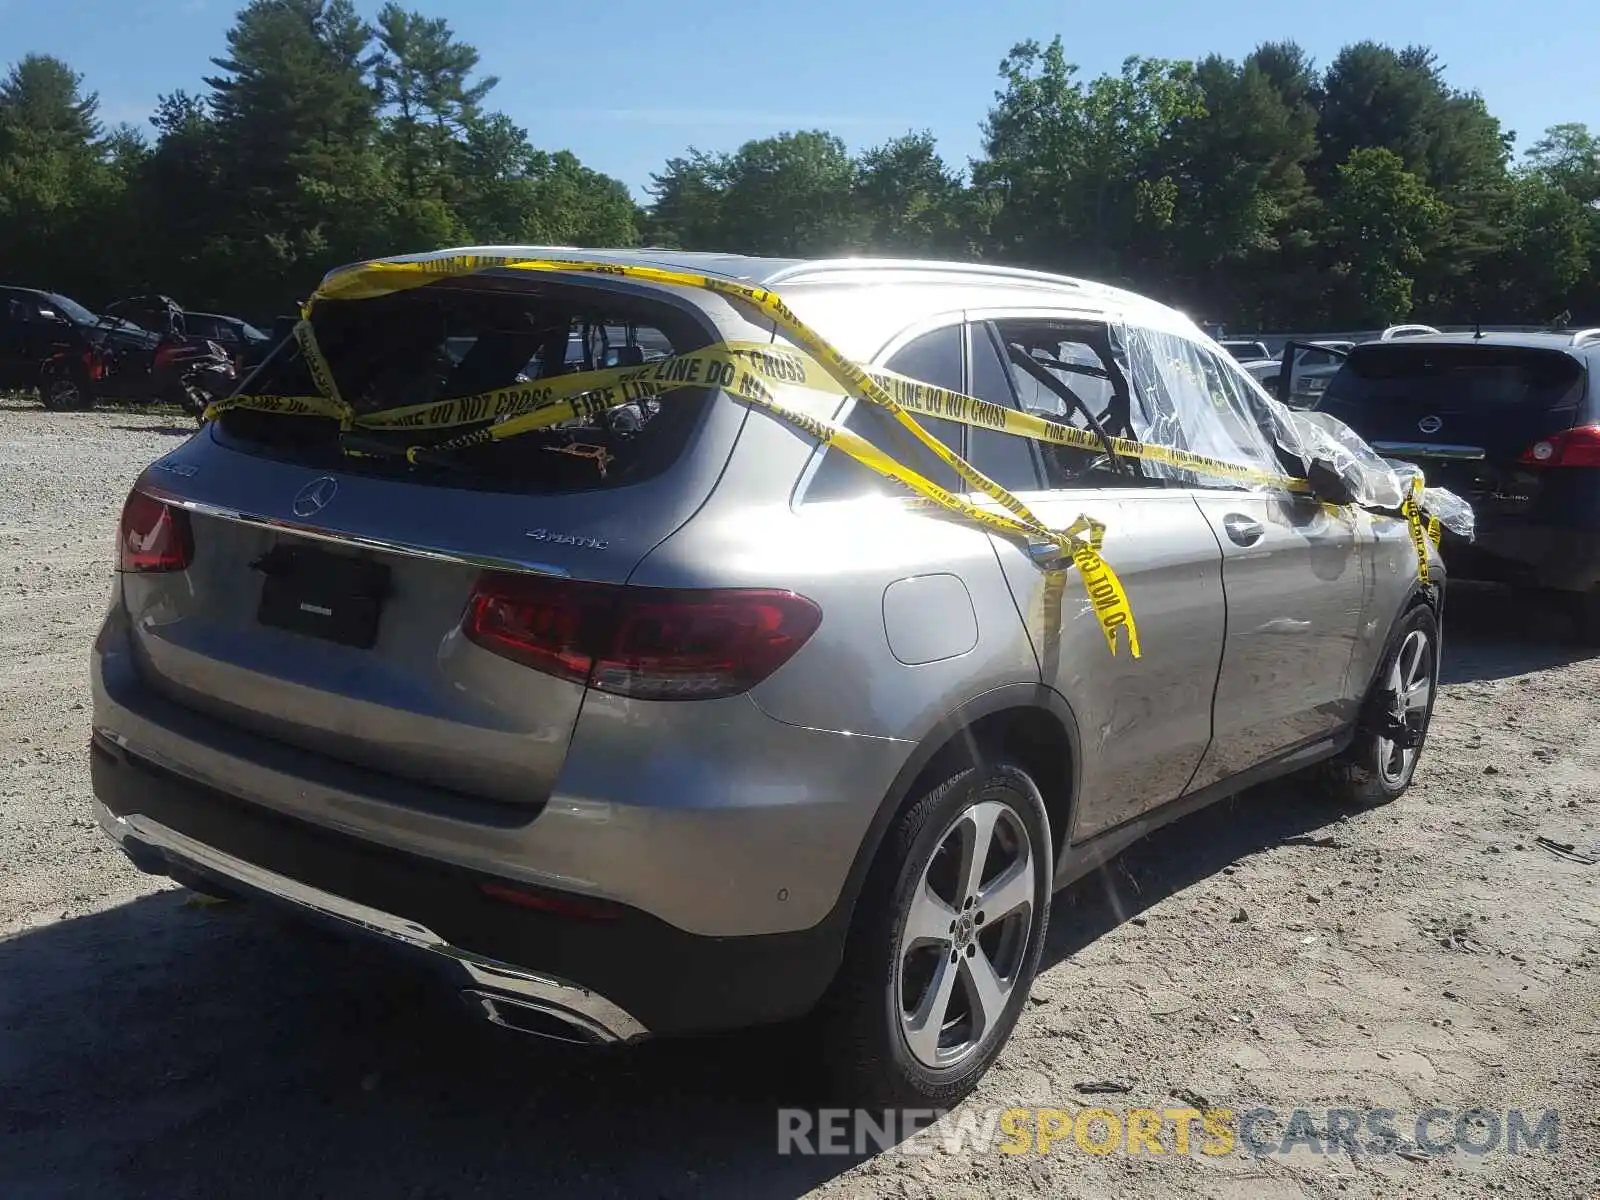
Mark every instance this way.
x=1420 y=595
x=1026 y=723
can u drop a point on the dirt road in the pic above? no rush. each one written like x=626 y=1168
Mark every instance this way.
x=1269 y=953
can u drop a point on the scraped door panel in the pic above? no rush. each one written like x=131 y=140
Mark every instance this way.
x=1143 y=723
x=1295 y=580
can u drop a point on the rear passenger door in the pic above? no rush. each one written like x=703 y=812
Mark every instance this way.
x=1295 y=575
x=1143 y=724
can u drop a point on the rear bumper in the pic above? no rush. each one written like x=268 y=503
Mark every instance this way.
x=711 y=817
x=611 y=974
x=1563 y=558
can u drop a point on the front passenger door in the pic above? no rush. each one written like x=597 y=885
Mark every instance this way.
x=1295 y=576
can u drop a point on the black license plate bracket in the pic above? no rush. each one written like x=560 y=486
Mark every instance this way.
x=322 y=594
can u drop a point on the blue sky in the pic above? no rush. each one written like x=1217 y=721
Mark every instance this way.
x=866 y=71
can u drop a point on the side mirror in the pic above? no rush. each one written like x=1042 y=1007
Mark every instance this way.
x=1328 y=485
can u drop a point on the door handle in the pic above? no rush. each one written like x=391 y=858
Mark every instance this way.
x=1242 y=531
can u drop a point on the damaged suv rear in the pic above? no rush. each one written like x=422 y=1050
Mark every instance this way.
x=671 y=715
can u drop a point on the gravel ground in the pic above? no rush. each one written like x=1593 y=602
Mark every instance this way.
x=1269 y=952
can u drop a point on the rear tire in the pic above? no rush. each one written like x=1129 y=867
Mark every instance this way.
x=942 y=952
x=1379 y=765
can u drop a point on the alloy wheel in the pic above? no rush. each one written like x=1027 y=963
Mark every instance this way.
x=965 y=935
x=1411 y=692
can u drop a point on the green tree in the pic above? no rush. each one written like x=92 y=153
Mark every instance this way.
x=59 y=178
x=1239 y=162
x=686 y=201
x=514 y=193
x=1383 y=223
x=1079 y=173
x=1566 y=159
x=1398 y=100
x=423 y=78
x=294 y=123
x=911 y=203
x=790 y=194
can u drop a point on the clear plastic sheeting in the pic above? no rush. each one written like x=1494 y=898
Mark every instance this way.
x=1454 y=513
x=1185 y=399
x=1186 y=396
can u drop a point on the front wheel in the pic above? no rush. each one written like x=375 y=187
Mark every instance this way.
x=945 y=943
x=1382 y=759
x=64 y=391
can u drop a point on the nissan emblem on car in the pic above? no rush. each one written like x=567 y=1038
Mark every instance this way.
x=315 y=496
x=1430 y=424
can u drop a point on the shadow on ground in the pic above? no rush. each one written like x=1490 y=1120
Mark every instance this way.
x=157 y=1049
x=1493 y=632
x=163 y=1050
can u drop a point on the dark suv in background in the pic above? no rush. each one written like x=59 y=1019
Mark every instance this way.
x=47 y=341
x=1508 y=421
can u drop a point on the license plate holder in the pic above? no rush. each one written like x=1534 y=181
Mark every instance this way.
x=321 y=594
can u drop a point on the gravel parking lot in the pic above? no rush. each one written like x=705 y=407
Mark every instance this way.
x=1269 y=952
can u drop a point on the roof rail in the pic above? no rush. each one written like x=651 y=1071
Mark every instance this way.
x=831 y=266
x=977 y=272
x=1584 y=336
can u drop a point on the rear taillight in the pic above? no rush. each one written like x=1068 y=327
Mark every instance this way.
x=649 y=643
x=1578 y=447
x=153 y=536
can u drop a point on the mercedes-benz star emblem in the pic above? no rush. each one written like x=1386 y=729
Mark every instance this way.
x=315 y=496
x=1430 y=424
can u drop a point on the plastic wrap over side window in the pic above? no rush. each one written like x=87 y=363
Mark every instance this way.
x=1190 y=400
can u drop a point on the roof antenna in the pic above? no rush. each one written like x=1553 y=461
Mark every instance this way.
x=1477 y=331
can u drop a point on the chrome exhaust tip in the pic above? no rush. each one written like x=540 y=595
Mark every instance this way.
x=548 y=1021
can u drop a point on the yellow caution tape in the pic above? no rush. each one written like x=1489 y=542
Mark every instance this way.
x=523 y=408
x=377 y=279
x=1411 y=508
x=751 y=371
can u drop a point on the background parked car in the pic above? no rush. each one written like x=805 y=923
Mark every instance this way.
x=245 y=344
x=1508 y=421
x=74 y=356
x=1312 y=365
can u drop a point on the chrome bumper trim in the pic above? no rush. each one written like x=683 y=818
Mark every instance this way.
x=1432 y=450
x=580 y=1007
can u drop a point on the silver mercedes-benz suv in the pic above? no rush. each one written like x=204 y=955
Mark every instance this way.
x=674 y=719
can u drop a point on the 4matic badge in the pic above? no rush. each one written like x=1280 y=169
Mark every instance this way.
x=567 y=539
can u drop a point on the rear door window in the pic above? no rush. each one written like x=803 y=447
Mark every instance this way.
x=935 y=358
x=1010 y=461
x=441 y=342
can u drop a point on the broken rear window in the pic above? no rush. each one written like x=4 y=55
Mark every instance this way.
x=445 y=342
